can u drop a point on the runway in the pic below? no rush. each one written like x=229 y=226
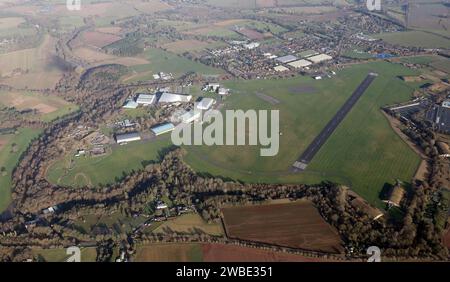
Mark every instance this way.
x=323 y=136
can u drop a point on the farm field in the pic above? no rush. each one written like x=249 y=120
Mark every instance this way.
x=33 y=68
x=169 y=253
x=47 y=108
x=191 y=252
x=182 y=46
x=79 y=172
x=59 y=255
x=295 y=225
x=189 y=222
x=363 y=152
x=9 y=158
x=96 y=58
x=415 y=38
x=163 y=61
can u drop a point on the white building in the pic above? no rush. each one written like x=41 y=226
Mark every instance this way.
x=128 y=137
x=130 y=104
x=174 y=98
x=319 y=58
x=223 y=91
x=145 y=99
x=206 y=104
x=300 y=64
x=446 y=104
x=287 y=59
x=211 y=87
x=252 y=45
x=280 y=68
x=190 y=116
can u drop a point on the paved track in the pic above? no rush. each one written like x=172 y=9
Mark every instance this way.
x=318 y=142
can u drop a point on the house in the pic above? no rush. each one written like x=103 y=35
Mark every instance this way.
x=205 y=103
x=127 y=137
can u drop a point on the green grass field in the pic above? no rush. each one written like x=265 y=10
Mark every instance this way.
x=162 y=61
x=415 y=39
x=364 y=152
x=9 y=159
x=60 y=255
x=105 y=169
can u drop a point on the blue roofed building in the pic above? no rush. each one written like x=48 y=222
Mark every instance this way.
x=163 y=128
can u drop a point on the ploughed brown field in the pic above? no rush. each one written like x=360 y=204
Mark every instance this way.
x=232 y=253
x=296 y=225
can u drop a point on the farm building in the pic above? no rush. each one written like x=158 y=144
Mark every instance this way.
x=396 y=195
x=211 y=87
x=145 y=99
x=128 y=137
x=443 y=119
x=287 y=59
x=319 y=58
x=163 y=128
x=223 y=91
x=300 y=64
x=130 y=104
x=174 y=98
x=446 y=104
x=280 y=68
x=360 y=204
x=206 y=104
x=444 y=149
x=190 y=116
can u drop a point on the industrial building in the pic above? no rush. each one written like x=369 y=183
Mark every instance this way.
x=205 y=103
x=163 y=128
x=319 y=58
x=190 y=116
x=287 y=59
x=145 y=99
x=174 y=98
x=307 y=53
x=211 y=87
x=280 y=68
x=446 y=104
x=442 y=119
x=223 y=91
x=300 y=64
x=130 y=104
x=127 y=137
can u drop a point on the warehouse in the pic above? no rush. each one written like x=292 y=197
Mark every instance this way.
x=300 y=64
x=280 y=68
x=287 y=59
x=130 y=104
x=307 y=53
x=163 y=128
x=145 y=99
x=206 y=103
x=190 y=116
x=319 y=58
x=128 y=137
x=174 y=98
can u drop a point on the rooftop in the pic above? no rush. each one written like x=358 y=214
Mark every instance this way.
x=287 y=59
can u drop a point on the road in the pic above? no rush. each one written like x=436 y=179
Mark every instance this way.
x=323 y=136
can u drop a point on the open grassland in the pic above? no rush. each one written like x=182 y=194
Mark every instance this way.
x=13 y=146
x=60 y=255
x=96 y=58
x=163 y=61
x=189 y=223
x=295 y=225
x=415 y=39
x=364 y=152
x=182 y=46
x=77 y=172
